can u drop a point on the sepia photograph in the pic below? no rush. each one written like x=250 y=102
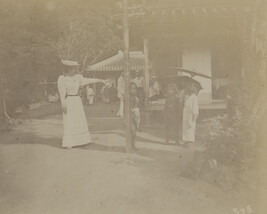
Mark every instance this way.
x=133 y=106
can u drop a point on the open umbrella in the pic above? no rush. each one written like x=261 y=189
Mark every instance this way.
x=192 y=73
x=178 y=81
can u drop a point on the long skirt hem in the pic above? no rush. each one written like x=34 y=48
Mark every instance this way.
x=75 y=125
x=76 y=140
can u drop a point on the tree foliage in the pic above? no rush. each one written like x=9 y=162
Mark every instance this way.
x=36 y=34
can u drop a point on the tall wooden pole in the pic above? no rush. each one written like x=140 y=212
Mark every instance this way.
x=45 y=86
x=127 y=104
x=146 y=71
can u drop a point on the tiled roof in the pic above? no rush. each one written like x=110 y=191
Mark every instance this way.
x=116 y=63
x=183 y=11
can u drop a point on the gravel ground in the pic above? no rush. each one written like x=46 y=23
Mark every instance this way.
x=38 y=176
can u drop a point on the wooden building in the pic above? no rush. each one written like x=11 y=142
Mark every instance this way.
x=112 y=67
x=207 y=36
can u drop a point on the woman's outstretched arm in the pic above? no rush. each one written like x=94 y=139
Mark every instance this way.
x=85 y=81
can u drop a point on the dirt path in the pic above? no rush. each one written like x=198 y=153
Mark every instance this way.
x=37 y=176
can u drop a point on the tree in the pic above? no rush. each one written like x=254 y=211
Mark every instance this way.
x=38 y=33
x=88 y=33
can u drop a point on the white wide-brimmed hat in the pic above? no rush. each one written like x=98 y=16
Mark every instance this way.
x=69 y=63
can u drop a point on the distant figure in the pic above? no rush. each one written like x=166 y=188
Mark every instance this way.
x=104 y=93
x=52 y=98
x=140 y=83
x=75 y=127
x=90 y=94
x=121 y=91
x=155 y=91
x=190 y=113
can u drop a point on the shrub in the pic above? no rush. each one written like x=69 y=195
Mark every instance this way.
x=231 y=145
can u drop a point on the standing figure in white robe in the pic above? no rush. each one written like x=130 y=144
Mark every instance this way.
x=190 y=114
x=90 y=94
x=121 y=91
x=75 y=127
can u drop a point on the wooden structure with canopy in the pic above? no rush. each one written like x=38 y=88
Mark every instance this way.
x=111 y=68
x=114 y=65
x=204 y=36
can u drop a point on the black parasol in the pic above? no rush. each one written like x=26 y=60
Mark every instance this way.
x=192 y=73
x=179 y=81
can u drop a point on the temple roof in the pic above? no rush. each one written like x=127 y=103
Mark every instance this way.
x=159 y=10
x=116 y=63
x=182 y=12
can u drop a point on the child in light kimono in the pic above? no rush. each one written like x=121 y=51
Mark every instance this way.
x=90 y=94
x=190 y=114
x=135 y=107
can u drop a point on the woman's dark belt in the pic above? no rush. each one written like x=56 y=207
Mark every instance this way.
x=72 y=95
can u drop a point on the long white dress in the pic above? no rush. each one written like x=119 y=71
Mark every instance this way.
x=75 y=127
x=190 y=113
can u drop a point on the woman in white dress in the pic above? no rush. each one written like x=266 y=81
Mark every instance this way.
x=75 y=127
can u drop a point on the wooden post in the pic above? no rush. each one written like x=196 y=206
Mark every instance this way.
x=244 y=48
x=127 y=104
x=94 y=76
x=45 y=86
x=146 y=71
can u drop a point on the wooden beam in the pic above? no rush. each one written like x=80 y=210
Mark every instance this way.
x=45 y=86
x=147 y=77
x=195 y=35
x=127 y=115
x=134 y=7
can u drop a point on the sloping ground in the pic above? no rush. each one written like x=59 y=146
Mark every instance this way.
x=44 y=110
x=38 y=176
x=51 y=109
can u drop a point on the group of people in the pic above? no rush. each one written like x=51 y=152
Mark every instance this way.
x=181 y=112
x=109 y=92
x=181 y=107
